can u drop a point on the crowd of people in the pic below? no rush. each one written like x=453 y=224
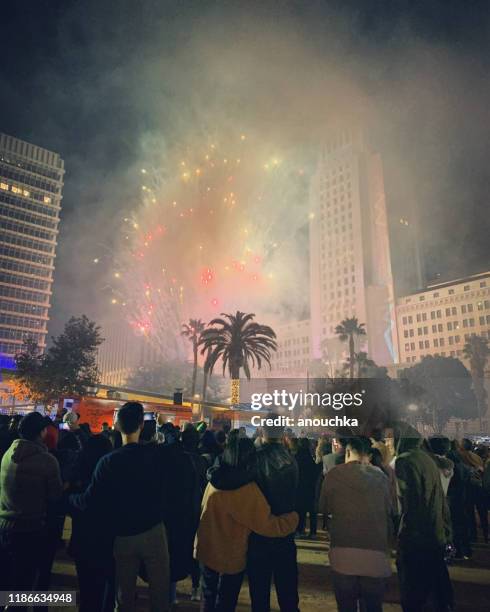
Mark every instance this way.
x=149 y=500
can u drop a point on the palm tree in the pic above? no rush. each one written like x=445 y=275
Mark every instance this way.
x=363 y=362
x=346 y=330
x=477 y=351
x=192 y=331
x=205 y=374
x=240 y=343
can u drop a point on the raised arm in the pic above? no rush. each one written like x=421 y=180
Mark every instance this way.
x=255 y=513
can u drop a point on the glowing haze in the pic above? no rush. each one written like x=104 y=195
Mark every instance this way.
x=218 y=229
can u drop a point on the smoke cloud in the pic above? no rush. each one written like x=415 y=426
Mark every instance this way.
x=128 y=86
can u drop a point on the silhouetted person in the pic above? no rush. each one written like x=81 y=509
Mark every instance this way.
x=274 y=558
x=29 y=481
x=127 y=495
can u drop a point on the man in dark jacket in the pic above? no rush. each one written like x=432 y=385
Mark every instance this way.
x=127 y=492
x=274 y=558
x=425 y=528
x=29 y=481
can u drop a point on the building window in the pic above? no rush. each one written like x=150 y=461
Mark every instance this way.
x=483 y=284
x=463 y=309
x=466 y=288
x=422 y=298
x=427 y=344
x=412 y=346
x=451 y=292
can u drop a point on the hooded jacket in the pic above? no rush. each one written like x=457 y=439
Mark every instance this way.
x=29 y=480
x=425 y=515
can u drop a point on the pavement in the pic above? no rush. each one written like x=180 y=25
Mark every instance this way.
x=471 y=582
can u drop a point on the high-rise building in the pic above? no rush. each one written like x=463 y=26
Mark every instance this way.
x=31 y=182
x=350 y=264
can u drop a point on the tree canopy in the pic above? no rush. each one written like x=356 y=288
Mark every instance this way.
x=441 y=388
x=239 y=342
x=68 y=367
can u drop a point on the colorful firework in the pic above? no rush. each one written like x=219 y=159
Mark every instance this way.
x=218 y=234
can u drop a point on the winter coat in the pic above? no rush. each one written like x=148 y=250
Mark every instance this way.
x=183 y=510
x=227 y=519
x=425 y=515
x=308 y=474
x=29 y=481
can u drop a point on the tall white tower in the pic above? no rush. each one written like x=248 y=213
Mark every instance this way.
x=349 y=250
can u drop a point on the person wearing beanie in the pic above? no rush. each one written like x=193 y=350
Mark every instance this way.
x=29 y=481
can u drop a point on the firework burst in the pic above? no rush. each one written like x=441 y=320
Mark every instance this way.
x=214 y=235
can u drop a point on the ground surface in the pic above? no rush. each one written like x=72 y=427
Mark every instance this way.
x=471 y=581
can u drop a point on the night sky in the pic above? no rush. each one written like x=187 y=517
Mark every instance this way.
x=93 y=80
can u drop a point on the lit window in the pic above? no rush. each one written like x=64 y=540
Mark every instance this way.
x=4 y=186
x=16 y=189
x=47 y=200
x=26 y=193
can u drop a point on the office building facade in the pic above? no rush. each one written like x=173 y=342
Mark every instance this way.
x=31 y=183
x=440 y=319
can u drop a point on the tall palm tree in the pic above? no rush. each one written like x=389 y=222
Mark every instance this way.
x=346 y=330
x=477 y=351
x=192 y=331
x=240 y=343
